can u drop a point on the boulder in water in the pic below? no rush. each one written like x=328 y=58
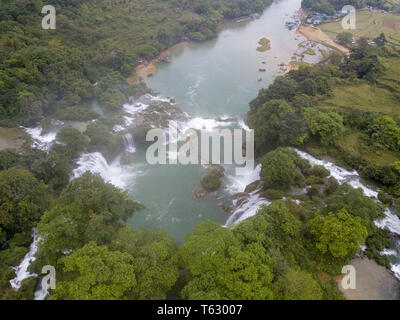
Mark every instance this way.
x=225 y=208
x=252 y=186
x=199 y=193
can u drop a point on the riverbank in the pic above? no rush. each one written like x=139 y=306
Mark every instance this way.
x=148 y=68
x=11 y=138
x=317 y=35
x=373 y=282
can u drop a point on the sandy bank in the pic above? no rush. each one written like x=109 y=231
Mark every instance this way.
x=317 y=35
x=11 y=138
x=150 y=67
x=373 y=282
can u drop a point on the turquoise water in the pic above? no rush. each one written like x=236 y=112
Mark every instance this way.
x=209 y=80
x=220 y=77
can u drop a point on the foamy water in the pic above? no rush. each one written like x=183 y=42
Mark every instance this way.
x=391 y=222
x=96 y=163
x=43 y=142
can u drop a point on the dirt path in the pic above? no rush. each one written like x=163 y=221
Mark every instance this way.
x=373 y=282
x=317 y=35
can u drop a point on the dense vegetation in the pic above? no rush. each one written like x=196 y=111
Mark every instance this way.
x=302 y=110
x=331 y=6
x=289 y=250
x=95 y=45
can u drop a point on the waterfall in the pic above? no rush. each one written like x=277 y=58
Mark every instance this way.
x=96 y=163
x=129 y=143
x=390 y=222
x=42 y=142
x=247 y=209
x=249 y=206
x=21 y=271
x=340 y=174
x=40 y=293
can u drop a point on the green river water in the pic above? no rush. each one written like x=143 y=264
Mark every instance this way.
x=208 y=80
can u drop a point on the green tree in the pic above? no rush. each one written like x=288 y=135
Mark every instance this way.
x=8 y=158
x=112 y=99
x=276 y=123
x=381 y=40
x=279 y=168
x=327 y=126
x=23 y=199
x=356 y=204
x=88 y=209
x=154 y=253
x=102 y=140
x=344 y=37
x=299 y=285
x=73 y=142
x=385 y=131
x=97 y=274
x=221 y=269
x=339 y=235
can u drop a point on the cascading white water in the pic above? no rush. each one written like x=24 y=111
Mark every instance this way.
x=21 y=271
x=340 y=174
x=40 y=293
x=96 y=163
x=390 y=222
x=238 y=184
x=251 y=205
x=129 y=143
x=42 y=142
x=247 y=209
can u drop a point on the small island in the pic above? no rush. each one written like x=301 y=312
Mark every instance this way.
x=265 y=45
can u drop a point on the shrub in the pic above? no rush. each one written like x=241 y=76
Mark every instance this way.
x=320 y=171
x=211 y=182
x=273 y=194
x=314 y=191
x=76 y=114
x=279 y=168
x=385 y=198
x=112 y=99
x=314 y=180
x=331 y=185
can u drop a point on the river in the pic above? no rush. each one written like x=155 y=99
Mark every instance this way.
x=209 y=81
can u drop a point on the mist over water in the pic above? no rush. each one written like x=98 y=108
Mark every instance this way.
x=212 y=82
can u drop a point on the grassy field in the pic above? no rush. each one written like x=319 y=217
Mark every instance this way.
x=379 y=98
x=364 y=97
x=369 y=24
x=355 y=142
